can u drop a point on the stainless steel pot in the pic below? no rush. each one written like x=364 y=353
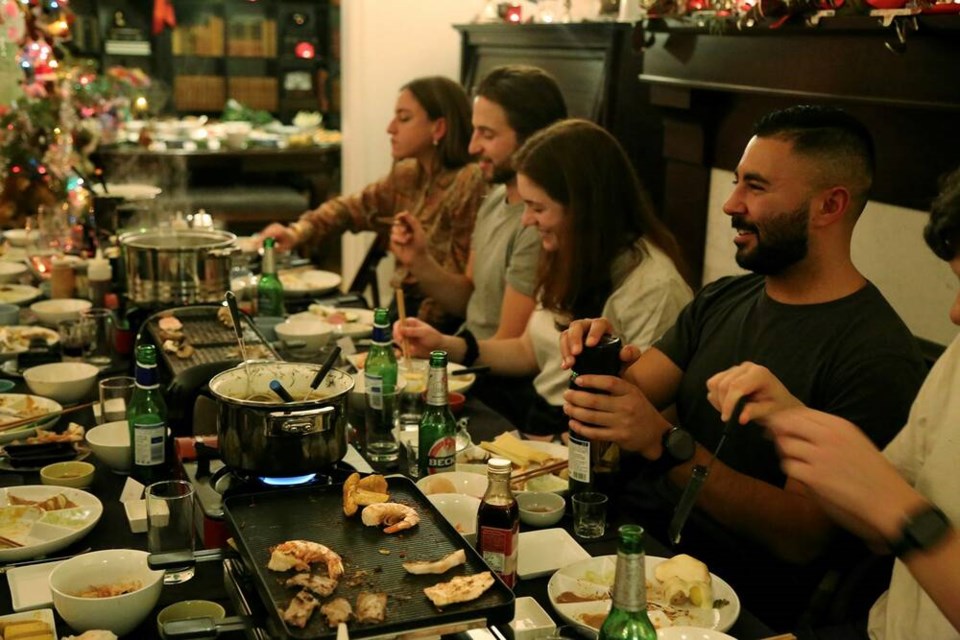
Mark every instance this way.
x=177 y=266
x=271 y=438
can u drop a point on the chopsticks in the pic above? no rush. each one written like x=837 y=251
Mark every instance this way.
x=41 y=418
x=402 y=310
x=546 y=469
x=10 y=542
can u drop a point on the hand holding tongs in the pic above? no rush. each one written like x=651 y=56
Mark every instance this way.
x=698 y=477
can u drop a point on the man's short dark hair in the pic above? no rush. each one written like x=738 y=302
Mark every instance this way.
x=942 y=232
x=529 y=95
x=841 y=144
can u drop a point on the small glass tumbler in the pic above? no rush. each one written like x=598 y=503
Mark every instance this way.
x=381 y=446
x=170 y=508
x=115 y=394
x=412 y=395
x=74 y=339
x=589 y=515
x=101 y=346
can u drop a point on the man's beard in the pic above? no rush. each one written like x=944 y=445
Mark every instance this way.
x=502 y=174
x=781 y=242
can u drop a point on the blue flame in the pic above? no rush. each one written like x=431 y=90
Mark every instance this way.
x=288 y=481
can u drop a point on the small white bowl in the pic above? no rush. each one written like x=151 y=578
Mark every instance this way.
x=314 y=333
x=119 y=614
x=461 y=482
x=11 y=271
x=64 y=382
x=460 y=511
x=530 y=621
x=50 y=312
x=110 y=443
x=20 y=237
x=540 y=509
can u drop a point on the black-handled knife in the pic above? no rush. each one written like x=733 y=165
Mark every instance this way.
x=698 y=477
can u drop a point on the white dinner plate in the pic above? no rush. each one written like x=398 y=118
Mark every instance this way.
x=460 y=384
x=547 y=550
x=311 y=282
x=30 y=586
x=18 y=293
x=594 y=577
x=42 y=532
x=358 y=322
x=15 y=339
x=24 y=405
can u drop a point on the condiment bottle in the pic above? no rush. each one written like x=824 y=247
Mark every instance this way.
x=592 y=462
x=147 y=418
x=628 y=619
x=63 y=280
x=498 y=522
x=99 y=279
x=269 y=287
x=437 y=439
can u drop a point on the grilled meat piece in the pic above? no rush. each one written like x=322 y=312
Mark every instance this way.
x=371 y=607
x=337 y=610
x=460 y=589
x=319 y=585
x=300 y=609
x=444 y=564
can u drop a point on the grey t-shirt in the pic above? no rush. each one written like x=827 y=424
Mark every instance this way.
x=504 y=252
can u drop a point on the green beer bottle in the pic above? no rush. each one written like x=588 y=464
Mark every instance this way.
x=437 y=441
x=628 y=619
x=380 y=378
x=269 y=288
x=147 y=417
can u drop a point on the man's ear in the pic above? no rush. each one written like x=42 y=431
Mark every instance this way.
x=830 y=207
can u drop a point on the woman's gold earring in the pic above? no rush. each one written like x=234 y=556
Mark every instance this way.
x=436 y=142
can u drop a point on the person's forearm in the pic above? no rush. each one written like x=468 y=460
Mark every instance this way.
x=450 y=290
x=789 y=524
x=513 y=357
x=937 y=570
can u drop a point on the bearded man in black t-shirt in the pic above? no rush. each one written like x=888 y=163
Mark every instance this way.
x=808 y=315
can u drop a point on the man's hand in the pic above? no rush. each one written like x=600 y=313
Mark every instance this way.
x=588 y=332
x=420 y=337
x=766 y=394
x=283 y=236
x=624 y=416
x=408 y=241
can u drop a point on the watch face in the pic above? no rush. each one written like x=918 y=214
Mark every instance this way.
x=680 y=444
x=927 y=528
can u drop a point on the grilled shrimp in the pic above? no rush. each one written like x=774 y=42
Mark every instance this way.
x=397 y=516
x=300 y=554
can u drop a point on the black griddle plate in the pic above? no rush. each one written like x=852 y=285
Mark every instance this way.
x=263 y=520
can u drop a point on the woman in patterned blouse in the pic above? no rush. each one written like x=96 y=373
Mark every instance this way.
x=432 y=177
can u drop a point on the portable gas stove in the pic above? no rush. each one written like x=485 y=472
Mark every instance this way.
x=212 y=481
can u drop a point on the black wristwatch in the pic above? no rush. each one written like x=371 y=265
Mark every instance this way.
x=921 y=531
x=678 y=447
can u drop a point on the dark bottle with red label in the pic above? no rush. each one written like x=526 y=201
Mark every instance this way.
x=498 y=522
x=593 y=462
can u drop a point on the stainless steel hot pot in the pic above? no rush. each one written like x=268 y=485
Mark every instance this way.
x=177 y=266
x=277 y=439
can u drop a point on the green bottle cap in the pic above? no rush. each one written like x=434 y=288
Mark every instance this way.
x=268 y=243
x=381 y=316
x=147 y=354
x=438 y=359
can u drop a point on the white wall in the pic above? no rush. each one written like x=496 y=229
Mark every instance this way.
x=385 y=44
x=888 y=248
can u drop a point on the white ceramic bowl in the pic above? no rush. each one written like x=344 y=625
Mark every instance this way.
x=20 y=237
x=462 y=482
x=315 y=333
x=119 y=614
x=50 y=312
x=110 y=442
x=540 y=509
x=460 y=511
x=11 y=271
x=64 y=382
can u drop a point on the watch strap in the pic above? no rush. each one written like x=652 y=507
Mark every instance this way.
x=921 y=531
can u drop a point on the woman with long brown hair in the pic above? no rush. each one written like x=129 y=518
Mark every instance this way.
x=603 y=252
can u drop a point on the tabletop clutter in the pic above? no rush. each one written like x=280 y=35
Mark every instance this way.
x=289 y=471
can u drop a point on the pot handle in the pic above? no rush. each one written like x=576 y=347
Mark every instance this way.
x=300 y=423
x=179 y=559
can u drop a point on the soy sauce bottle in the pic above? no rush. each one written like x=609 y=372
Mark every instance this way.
x=498 y=522
x=592 y=463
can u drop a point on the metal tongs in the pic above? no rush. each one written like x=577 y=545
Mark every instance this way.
x=698 y=477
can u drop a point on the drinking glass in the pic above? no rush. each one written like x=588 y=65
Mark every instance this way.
x=75 y=338
x=100 y=349
x=381 y=444
x=170 y=525
x=589 y=514
x=411 y=396
x=115 y=394
x=409 y=442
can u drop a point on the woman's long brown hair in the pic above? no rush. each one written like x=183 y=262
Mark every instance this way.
x=581 y=166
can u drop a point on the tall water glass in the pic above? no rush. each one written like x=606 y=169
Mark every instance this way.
x=170 y=506
x=100 y=349
x=115 y=394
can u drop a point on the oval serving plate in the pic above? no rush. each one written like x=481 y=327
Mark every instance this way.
x=15 y=406
x=593 y=580
x=40 y=531
x=18 y=293
x=15 y=339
